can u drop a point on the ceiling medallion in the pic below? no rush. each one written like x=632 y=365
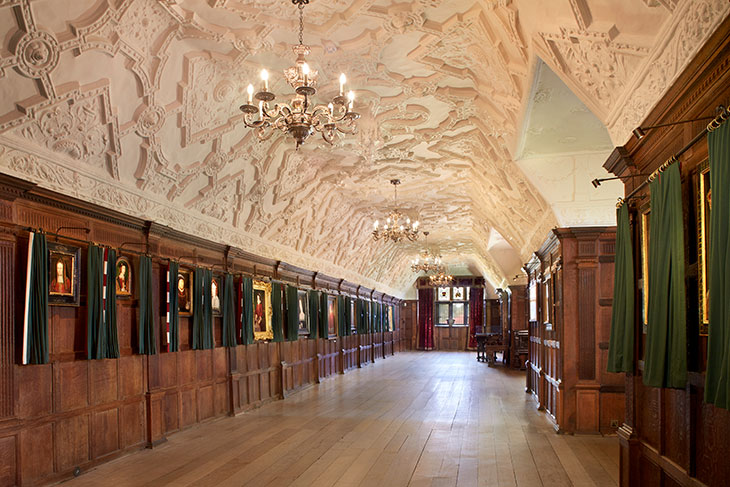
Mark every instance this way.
x=440 y=280
x=393 y=229
x=296 y=118
x=427 y=261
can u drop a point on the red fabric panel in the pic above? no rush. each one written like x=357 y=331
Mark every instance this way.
x=476 y=314
x=425 y=319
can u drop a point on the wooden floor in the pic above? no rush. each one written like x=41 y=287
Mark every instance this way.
x=417 y=419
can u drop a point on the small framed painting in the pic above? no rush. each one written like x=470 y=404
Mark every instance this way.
x=353 y=317
x=391 y=324
x=303 y=312
x=331 y=316
x=124 y=278
x=185 y=292
x=645 y=228
x=215 y=295
x=63 y=279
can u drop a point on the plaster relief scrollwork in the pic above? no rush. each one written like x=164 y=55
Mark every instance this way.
x=79 y=124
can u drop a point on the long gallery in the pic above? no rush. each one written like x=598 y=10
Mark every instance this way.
x=365 y=243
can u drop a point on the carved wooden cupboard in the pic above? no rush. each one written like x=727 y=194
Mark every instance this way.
x=569 y=296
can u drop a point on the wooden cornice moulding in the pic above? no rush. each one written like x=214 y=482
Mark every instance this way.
x=12 y=187
x=619 y=162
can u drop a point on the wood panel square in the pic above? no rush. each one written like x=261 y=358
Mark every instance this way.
x=34 y=390
x=171 y=412
x=220 y=362
x=206 y=407
x=188 y=405
x=105 y=433
x=8 y=453
x=131 y=376
x=73 y=385
x=72 y=442
x=133 y=422
x=204 y=360
x=103 y=381
x=36 y=453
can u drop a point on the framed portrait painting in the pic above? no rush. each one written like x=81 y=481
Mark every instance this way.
x=262 y=311
x=303 y=313
x=215 y=295
x=353 y=317
x=124 y=278
x=331 y=316
x=185 y=292
x=63 y=279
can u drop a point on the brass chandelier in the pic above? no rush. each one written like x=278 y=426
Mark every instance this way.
x=441 y=279
x=300 y=118
x=397 y=226
x=427 y=261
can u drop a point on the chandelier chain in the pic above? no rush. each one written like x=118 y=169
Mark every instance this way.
x=301 y=24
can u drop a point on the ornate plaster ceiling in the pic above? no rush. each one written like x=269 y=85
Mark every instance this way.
x=132 y=104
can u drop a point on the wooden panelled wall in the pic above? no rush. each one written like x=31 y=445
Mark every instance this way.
x=670 y=436
x=571 y=288
x=74 y=412
x=513 y=312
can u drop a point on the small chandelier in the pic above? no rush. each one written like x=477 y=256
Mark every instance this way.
x=296 y=118
x=427 y=261
x=393 y=229
x=441 y=279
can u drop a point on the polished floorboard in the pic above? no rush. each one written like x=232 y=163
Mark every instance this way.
x=414 y=419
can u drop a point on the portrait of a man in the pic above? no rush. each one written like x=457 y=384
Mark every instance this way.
x=124 y=277
x=262 y=311
x=331 y=316
x=303 y=312
x=184 y=292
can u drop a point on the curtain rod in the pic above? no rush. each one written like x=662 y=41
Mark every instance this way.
x=715 y=123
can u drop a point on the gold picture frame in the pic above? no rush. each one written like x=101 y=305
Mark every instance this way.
x=704 y=207
x=262 y=311
x=645 y=227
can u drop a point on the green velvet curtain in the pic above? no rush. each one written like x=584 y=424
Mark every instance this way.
x=313 y=297
x=229 y=313
x=292 y=314
x=341 y=316
x=621 y=342
x=247 y=310
x=95 y=333
x=386 y=318
x=147 y=342
x=173 y=310
x=323 y=316
x=202 y=310
x=717 y=376
x=348 y=316
x=665 y=360
x=368 y=317
x=112 y=339
x=35 y=340
x=276 y=318
x=101 y=320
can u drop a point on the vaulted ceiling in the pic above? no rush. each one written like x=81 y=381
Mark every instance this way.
x=133 y=104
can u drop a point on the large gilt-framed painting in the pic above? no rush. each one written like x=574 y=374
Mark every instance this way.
x=124 y=277
x=547 y=308
x=353 y=317
x=645 y=227
x=63 y=279
x=704 y=207
x=391 y=324
x=184 y=286
x=262 y=311
x=331 y=316
x=303 y=312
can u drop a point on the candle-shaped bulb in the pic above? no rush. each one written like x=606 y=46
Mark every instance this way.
x=249 y=90
x=305 y=72
x=331 y=108
x=408 y=221
x=401 y=228
x=351 y=97
x=343 y=80
x=415 y=225
x=261 y=109
x=387 y=220
x=375 y=224
x=265 y=79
